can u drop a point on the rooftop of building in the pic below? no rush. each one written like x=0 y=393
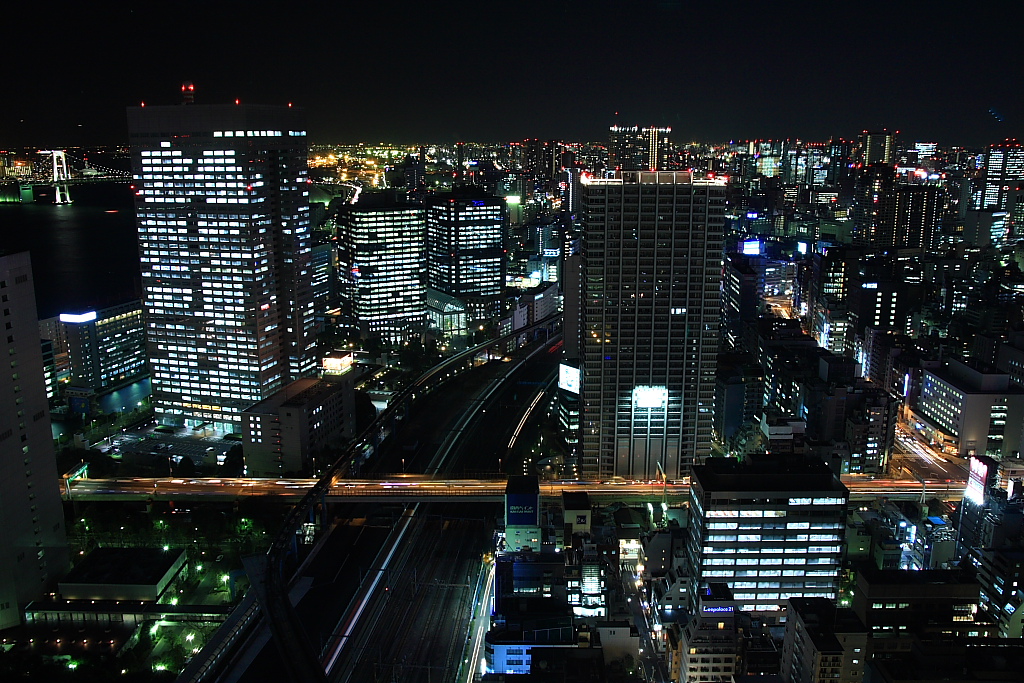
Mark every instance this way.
x=299 y=393
x=560 y=665
x=823 y=620
x=985 y=660
x=575 y=500
x=903 y=577
x=124 y=566
x=523 y=485
x=654 y=178
x=766 y=473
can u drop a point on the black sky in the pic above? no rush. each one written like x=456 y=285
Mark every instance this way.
x=500 y=70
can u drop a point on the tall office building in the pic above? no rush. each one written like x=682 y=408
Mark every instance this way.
x=380 y=265
x=651 y=271
x=222 y=208
x=466 y=251
x=771 y=529
x=1004 y=166
x=33 y=549
x=105 y=348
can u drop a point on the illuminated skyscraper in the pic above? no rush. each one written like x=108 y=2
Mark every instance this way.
x=465 y=249
x=34 y=551
x=652 y=264
x=877 y=147
x=222 y=209
x=380 y=265
x=1004 y=168
x=631 y=148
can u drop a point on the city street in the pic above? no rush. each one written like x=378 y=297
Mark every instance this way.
x=923 y=460
x=651 y=657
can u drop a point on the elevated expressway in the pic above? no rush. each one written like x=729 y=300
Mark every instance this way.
x=412 y=488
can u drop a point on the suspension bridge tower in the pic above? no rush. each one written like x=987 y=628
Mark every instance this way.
x=61 y=175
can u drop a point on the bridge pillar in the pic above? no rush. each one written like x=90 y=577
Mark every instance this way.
x=61 y=175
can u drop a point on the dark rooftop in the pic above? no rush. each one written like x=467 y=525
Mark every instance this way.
x=523 y=485
x=766 y=473
x=124 y=566
x=575 y=500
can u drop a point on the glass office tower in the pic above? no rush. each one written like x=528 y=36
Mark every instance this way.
x=222 y=209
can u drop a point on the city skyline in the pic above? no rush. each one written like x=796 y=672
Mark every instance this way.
x=547 y=71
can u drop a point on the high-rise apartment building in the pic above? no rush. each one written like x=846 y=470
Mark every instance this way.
x=918 y=209
x=873 y=206
x=877 y=147
x=33 y=549
x=381 y=261
x=222 y=208
x=651 y=270
x=632 y=148
x=466 y=251
x=772 y=529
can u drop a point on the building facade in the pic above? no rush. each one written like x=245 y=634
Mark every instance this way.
x=299 y=428
x=771 y=529
x=105 y=348
x=967 y=411
x=1004 y=166
x=466 y=249
x=823 y=643
x=651 y=270
x=222 y=209
x=33 y=548
x=381 y=259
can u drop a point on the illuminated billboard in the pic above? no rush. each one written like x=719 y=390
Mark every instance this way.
x=976 y=482
x=569 y=378
x=650 y=397
x=751 y=247
x=521 y=509
x=78 y=317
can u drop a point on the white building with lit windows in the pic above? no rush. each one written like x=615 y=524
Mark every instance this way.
x=381 y=258
x=222 y=209
x=965 y=410
x=770 y=528
x=651 y=302
x=105 y=348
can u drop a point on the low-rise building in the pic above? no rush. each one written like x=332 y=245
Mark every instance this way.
x=899 y=607
x=296 y=429
x=823 y=643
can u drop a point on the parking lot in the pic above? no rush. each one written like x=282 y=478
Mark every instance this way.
x=145 y=445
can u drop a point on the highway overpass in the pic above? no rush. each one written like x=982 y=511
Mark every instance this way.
x=409 y=488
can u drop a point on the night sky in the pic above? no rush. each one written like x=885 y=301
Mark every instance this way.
x=499 y=70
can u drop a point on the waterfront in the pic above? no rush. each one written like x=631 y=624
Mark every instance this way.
x=84 y=255
x=119 y=401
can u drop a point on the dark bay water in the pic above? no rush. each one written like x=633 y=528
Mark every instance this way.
x=84 y=255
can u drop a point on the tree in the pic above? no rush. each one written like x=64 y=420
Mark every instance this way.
x=186 y=468
x=234 y=462
x=366 y=412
